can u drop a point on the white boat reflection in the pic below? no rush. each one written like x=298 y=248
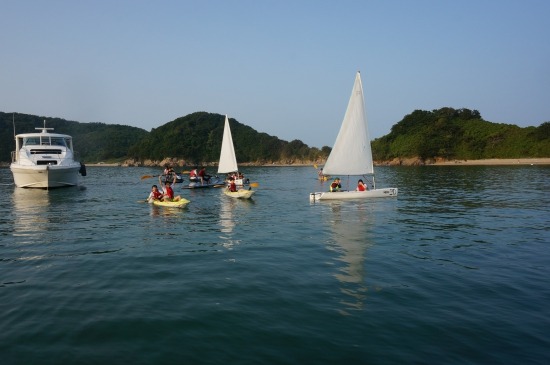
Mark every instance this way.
x=351 y=239
x=30 y=212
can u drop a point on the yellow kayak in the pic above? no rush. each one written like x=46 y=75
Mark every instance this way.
x=177 y=204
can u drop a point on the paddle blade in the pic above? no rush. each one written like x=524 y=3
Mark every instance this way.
x=146 y=177
x=254 y=184
x=315 y=165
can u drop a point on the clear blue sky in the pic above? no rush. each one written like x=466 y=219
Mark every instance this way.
x=285 y=68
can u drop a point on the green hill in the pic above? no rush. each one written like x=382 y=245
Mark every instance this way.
x=196 y=138
x=93 y=142
x=460 y=134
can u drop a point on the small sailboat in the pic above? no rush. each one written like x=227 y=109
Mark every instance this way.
x=228 y=164
x=351 y=154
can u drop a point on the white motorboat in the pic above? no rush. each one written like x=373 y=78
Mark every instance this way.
x=45 y=160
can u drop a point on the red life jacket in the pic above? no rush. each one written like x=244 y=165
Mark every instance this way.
x=169 y=192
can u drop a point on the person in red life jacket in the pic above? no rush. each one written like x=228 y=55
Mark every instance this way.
x=335 y=186
x=361 y=186
x=193 y=175
x=154 y=195
x=168 y=195
x=203 y=176
x=232 y=186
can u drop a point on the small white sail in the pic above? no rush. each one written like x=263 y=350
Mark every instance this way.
x=228 y=160
x=351 y=153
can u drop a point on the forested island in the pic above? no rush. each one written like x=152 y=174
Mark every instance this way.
x=422 y=137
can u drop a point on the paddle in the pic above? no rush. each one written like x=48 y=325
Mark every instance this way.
x=148 y=176
x=254 y=184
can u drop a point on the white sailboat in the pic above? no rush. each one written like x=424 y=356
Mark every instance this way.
x=228 y=164
x=351 y=154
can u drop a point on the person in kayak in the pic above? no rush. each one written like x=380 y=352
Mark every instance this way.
x=203 y=176
x=154 y=195
x=168 y=195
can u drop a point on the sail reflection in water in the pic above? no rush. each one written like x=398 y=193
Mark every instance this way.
x=349 y=224
x=234 y=218
x=227 y=224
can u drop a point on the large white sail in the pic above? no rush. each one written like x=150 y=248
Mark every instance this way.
x=351 y=153
x=228 y=160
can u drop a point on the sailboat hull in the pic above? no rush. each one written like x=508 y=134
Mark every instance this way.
x=240 y=194
x=346 y=195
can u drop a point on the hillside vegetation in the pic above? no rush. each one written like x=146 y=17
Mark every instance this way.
x=93 y=142
x=197 y=138
x=445 y=133
x=460 y=134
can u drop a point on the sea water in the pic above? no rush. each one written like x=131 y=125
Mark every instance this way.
x=454 y=270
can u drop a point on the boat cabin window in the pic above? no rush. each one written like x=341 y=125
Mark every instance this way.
x=68 y=142
x=31 y=141
x=58 y=141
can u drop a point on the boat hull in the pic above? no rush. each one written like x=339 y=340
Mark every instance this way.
x=240 y=194
x=177 y=204
x=205 y=186
x=45 y=176
x=179 y=179
x=347 y=195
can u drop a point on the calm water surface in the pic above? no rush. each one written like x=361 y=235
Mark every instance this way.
x=453 y=271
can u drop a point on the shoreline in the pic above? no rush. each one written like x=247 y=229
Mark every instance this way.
x=483 y=162
x=495 y=162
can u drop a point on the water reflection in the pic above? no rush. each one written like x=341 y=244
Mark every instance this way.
x=226 y=216
x=232 y=213
x=349 y=223
x=30 y=208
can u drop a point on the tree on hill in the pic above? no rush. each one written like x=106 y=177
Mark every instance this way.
x=459 y=134
x=92 y=141
x=197 y=137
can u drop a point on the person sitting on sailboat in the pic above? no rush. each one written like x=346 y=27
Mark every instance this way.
x=361 y=186
x=335 y=186
x=232 y=186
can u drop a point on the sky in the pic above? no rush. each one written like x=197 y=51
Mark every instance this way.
x=285 y=68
